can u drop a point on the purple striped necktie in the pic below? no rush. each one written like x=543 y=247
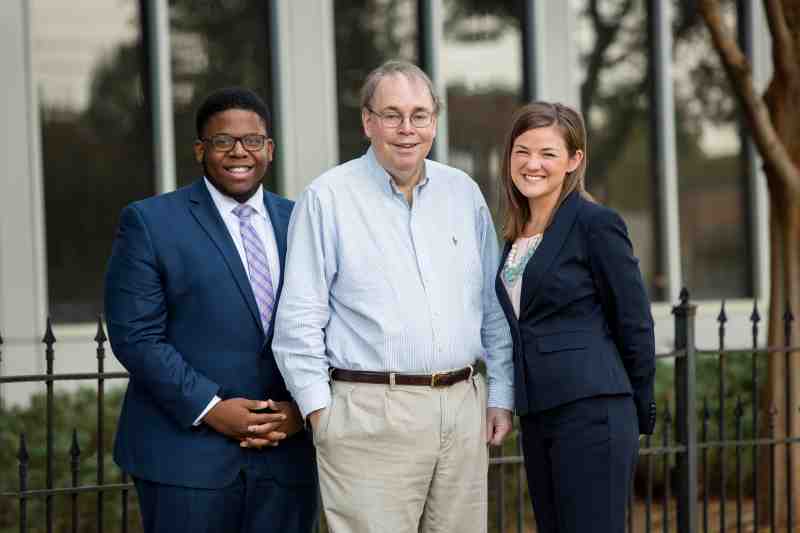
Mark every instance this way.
x=260 y=277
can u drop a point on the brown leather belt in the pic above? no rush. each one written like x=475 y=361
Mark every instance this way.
x=437 y=379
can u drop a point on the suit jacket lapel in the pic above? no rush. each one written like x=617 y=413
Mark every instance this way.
x=206 y=214
x=279 y=218
x=551 y=244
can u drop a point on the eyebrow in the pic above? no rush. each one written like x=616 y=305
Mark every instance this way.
x=415 y=110
x=546 y=147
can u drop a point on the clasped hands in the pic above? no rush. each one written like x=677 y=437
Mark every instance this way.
x=236 y=419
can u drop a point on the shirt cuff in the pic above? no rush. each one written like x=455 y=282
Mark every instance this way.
x=214 y=401
x=313 y=397
x=502 y=397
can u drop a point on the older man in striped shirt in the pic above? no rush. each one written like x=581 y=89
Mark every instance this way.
x=387 y=304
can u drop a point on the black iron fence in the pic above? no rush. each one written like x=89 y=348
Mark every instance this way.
x=683 y=479
x=101 y=486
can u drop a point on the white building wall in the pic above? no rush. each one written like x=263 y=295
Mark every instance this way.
x=556 y=53
x=304 y=79
x=762 y=73
x=23 y=293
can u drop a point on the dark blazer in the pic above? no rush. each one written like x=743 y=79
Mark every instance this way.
x=585 y=327
x=183 y=321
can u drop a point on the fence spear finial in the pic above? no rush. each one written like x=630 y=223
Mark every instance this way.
x=755 y=316
x=100 y=337
x=722 y=317
x=49 y=338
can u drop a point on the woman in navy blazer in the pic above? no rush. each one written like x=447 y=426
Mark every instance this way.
x=584 y=356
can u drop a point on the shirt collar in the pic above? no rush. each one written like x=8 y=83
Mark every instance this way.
x=379 y=173
x=226 y=204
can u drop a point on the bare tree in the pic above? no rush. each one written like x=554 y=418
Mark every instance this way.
x=774 y=121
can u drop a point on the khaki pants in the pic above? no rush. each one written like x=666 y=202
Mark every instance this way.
x=404 y=458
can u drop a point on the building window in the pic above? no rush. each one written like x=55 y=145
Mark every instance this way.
x=614 y=87
x=368 y=32
x=482 y=69
x=712 y=184
x=215 y=45
x=96 y=141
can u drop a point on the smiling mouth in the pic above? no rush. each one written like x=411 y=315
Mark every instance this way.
x=238 y=169
x=406 y=146
x=534 y=179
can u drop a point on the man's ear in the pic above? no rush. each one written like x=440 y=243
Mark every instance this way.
x=366 y=123
x=270 y=148
x=199 y=148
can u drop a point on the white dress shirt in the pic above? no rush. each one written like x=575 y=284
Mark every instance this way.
x=263 y=226
x=373 y=283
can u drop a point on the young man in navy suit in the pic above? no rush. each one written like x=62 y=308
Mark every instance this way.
x=208 y=431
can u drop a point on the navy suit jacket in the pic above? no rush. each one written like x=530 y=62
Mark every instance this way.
x=183 y=321
x=584 y=326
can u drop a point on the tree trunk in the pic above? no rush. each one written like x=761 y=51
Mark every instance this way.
x=783 y=100
x=783 y=370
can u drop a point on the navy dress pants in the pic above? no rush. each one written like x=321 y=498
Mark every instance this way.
x=249 y=505
x=580 y=458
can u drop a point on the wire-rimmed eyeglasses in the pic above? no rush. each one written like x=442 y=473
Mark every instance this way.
x=393 y=119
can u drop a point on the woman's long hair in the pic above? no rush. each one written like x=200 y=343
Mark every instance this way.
x=542 y=115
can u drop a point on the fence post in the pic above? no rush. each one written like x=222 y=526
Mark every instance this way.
x=100 y=338
x=686 y=414
x=49 y=340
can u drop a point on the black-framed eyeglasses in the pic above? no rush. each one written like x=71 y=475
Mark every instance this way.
x=222 y=142
x=393 y=119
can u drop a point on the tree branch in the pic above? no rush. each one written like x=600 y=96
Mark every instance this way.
x=782 y=45
x=606 y=34
x=607 y=150
x=773 y=150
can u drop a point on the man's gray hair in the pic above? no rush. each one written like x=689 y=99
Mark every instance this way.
x=394 y=67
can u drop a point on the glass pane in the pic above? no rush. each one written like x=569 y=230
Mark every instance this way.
x=96 y=144
x=613 y=44
x=368 y=32
x=215 y=45
x=482 y=68
x=715 y=251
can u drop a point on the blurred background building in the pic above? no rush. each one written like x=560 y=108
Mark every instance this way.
x=100 y=95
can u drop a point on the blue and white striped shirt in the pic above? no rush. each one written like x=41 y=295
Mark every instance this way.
x=372 y=283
